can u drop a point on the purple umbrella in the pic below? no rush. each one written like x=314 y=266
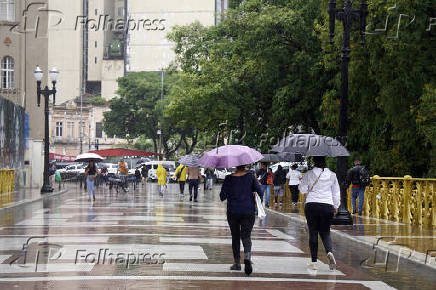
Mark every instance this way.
x=229 y=156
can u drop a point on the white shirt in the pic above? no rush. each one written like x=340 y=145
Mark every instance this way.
x=294 y=177
x=326 y=190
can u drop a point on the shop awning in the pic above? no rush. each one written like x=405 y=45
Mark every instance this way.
x=60 y=157
x=123 y=152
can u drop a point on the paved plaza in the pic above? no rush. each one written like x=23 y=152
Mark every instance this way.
x=139 y=240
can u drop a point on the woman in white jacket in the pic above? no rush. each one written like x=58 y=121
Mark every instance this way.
x=322 y=203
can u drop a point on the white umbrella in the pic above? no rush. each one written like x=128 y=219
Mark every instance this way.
x=86 y=157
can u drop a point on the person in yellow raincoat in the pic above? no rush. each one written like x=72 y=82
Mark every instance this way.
x=161 y=178
x=180 y=175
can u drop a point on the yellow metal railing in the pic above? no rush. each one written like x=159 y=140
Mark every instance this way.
x=407 y=200
x=7 y=180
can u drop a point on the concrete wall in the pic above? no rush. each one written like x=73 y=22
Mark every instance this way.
x=149 y=49
x=95 y=42
x=112 y=70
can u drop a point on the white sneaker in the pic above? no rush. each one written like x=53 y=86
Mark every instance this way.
x=332 y=261
x=312 y=266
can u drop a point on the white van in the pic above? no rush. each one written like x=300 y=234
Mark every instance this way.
x=170 y=166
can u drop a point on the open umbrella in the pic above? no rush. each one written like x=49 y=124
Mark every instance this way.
x=190 y=160
x=86 y=157
x=229 y=156
x=311 y=145
x=271 y=158
x=290 y=157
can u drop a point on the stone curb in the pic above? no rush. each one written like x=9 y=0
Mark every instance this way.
x=385 y=247
x=34 y=200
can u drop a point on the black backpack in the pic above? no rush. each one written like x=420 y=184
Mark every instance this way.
x=180 y=173
x=364 y=178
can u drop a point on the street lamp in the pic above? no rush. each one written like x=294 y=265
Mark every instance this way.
x=46 y=92
x=346 y=15
x=159 y=133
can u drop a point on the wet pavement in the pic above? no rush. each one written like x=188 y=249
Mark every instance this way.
x=139 y=240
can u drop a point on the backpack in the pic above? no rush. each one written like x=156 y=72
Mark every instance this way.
x=180 y=173
x=364 y=178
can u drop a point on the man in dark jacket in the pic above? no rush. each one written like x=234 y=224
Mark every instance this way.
x=279 y=184
x=262 y=176
x=354 y=177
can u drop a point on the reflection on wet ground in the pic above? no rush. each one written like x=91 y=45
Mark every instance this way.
x=139 y=240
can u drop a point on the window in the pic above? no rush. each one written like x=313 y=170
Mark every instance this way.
x=96 y=12
x=59 y=127
x=99 y=130
x=7 y=72
x=95 y=60
x=95 y=44
x=7 y=10
x=70 y=128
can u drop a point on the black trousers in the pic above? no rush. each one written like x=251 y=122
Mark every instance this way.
x=182 y=187
x=294 y=192
x=193 y=184
x=241 y=226
x=319 y=217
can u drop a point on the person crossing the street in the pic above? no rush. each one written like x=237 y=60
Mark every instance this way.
x=180 y=176
x=161 y=178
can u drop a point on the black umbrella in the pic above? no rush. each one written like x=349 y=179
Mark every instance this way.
x=290 y=157
x=311 y=145
x=270 y=158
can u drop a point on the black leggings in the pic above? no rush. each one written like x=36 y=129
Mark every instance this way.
x=182 y=187
x=241 y=226
x=319 y=216
x=294 y=192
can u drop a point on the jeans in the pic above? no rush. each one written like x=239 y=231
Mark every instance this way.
x=193 y=184
x=294 y=192
x=357 y=192
x=268 y=192
x=182 y=186
x=319 y=216
x=241 y=226
x=209 y=183
x=91 y=187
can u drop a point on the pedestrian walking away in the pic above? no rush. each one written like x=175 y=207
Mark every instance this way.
x=161 y=178
x=261 y=175
x=209 y=179
x=322 y=203
x=194 y=180
x=180 y=176
x=123 y=172
x=359 y=178
x=238 y=190
x=91 y=172
x=269 y=186
x=137 y=177
x=144 y=174
x=279 y=185
x=294 y=176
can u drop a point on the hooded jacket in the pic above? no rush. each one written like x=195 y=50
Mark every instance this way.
x=161 y=175
x=325 y=190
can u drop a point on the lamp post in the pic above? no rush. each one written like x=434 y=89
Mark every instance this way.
x=46 y=92
x=159 y=133
x=345 y=15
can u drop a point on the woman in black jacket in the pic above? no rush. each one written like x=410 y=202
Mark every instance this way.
x=238 y=189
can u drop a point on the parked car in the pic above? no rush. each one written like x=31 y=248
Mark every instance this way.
x=112 y=168
x=170 y=166
x=221 y=173
x=74 y=169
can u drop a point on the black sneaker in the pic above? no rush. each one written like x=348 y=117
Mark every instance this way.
x=190 y=199
x=235 y=267
x=248 y=267
x=195 y=200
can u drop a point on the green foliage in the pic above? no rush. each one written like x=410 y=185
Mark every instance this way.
x=98 y=100
x=251 y=74
x=269 y=66
x=138 y=112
